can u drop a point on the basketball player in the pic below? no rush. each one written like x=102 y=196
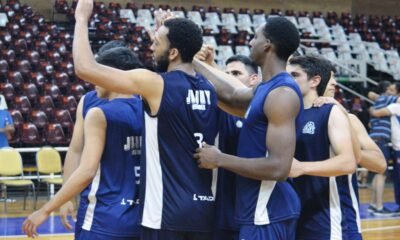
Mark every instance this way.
x=107 y=175
x=323 y=151
x=371 y=158
x=180 y=113
x=242 y=68
x=267 y=207
x=75 y=148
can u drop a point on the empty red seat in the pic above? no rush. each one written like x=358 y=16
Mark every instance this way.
x=17 y=117
x=41 y=47
x=54 y=57
x=7 y=89
x=39 y=118
x=46 y=68
x=34 y=59
x=64 y=118
x=3 y=68
x=30 y=135
x=77 y=90
x=21 y=47
x=23 y=104
x=31 y=91
x=46 y=104
x=53 y=91
x=69 y=103
x=32 y=28
x=55 y=134
x=9 y=55
x=16 y=79
x=62 y=80
x=68 y=67
x=39 y=80
x=61 y=6
x=24 y=67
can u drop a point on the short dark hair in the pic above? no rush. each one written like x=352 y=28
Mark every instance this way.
x=283 y=34
x=314 y=66
x=397 y=85
x=120 y=57
x=383 y=86
x=184 y=35
x=111 y=44
x=250 y=65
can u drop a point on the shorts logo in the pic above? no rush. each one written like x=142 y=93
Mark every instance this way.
x=202 y=198
x=309 y=128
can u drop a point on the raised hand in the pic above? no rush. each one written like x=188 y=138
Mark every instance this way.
x=84 y=10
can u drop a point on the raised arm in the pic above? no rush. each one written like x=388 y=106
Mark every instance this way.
x=139 y=81
x=233 y=96
x=281 y=109
x=343 y=162
x=371 y=156
x=95 y=134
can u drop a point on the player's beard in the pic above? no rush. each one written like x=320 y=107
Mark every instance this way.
x=163 y=62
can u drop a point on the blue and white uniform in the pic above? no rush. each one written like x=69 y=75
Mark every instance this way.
x=177 y=195
x=265 y=209
x=109 y=206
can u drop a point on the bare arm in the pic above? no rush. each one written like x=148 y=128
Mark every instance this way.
x=75 y=148
x=281 y=108
x=371 y=156
x=383 y=112
x=373 y=96
x=344 y=161
x=143 y=82
x=234 y=97
x=95 y=131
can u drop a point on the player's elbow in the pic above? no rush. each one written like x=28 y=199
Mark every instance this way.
x=382 y=167
x=350 y=166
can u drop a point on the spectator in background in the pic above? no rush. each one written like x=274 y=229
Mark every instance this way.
x=381 y=134
x=6 y=126
x=393 y=111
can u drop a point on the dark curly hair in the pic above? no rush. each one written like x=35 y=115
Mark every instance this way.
x=120 y=57
x=185 y=36
x=284 y=36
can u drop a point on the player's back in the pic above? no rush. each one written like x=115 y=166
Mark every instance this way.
x=109 y=205
x=264 y=202
x=321 y=215
x=177 y=195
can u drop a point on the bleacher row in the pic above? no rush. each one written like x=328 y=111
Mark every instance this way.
x=36 y=67
x=375 y=40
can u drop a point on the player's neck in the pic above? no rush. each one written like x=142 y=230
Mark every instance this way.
x=184 y=67
x=271 y=67
x=117 y=95
x=309 y=99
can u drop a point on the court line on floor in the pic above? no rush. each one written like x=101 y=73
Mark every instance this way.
x=381 y=228
x=42 y=235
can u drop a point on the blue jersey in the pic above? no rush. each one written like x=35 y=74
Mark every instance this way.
x=91 y=100
x=380 y=127
x=349 y=202
x=177 y=194
x=321 y=215
x=229 y=129
x=5 y=120
x=264 y=202
x=109 y=205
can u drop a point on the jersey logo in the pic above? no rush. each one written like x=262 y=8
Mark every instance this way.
x=133 y=144
x=199 y=99
x=197 y=197
x=309 y=128
x=239 y=124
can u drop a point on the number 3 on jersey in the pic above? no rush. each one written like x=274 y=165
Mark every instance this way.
x=199 y=139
